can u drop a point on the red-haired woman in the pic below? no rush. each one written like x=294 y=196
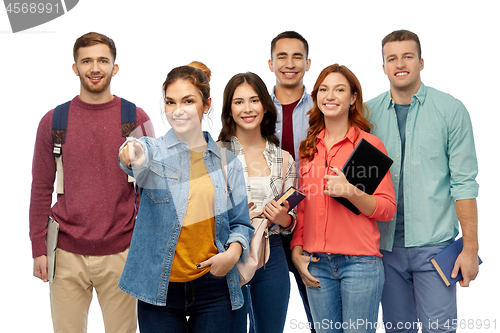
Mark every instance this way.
x=336 y=251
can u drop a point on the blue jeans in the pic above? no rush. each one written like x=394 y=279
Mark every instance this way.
x=414 y=294
x=349 y=297
x=205 y=300
x=286 y=240
x=269 y=292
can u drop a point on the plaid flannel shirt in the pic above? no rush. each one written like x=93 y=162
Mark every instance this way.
x=274 y=158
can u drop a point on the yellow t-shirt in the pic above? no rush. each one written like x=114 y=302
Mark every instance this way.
x=197 y=237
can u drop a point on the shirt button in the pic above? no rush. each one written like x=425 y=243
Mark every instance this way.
x=397 y=156
x=395 y=175
x=278 y=131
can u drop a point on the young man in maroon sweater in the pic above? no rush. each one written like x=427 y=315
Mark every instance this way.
x=289 y=62
x=97 y=209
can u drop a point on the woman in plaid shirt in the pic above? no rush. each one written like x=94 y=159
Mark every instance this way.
x=248 y=126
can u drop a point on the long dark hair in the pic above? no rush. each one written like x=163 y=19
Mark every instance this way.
x=268 y=124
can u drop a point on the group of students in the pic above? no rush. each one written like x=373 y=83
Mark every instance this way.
x=169 y=251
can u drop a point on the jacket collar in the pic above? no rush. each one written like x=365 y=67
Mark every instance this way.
x=172 y=137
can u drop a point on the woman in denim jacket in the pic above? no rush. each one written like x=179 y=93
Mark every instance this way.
x=191 y=229
x=248 y=127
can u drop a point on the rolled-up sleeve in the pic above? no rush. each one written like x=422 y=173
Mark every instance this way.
x=462 y=155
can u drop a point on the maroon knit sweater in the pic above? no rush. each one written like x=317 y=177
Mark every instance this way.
x=97 y=211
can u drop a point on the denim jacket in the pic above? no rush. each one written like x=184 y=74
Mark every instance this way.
x=164 y=183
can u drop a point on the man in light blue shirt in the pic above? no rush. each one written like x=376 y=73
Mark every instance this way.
x=429 y=136
x=289 y=62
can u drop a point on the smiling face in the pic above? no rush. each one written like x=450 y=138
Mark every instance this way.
x=289 y=62
x=247 y=110
x=334 y=97
x=184 y=108
x=402 y=65
x=95 y=68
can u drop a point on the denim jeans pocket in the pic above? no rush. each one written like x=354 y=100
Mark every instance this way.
x=310 y=255
x=365 y=259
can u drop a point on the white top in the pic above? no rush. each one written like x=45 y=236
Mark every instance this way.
x=258 y=186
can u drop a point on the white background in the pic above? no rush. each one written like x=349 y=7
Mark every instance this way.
x=459 y=47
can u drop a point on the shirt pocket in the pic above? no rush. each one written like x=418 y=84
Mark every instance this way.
x=430 y=143
x=161 y=181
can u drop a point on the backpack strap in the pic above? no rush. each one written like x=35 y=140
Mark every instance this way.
x=129 y=122
x=58 y=133
x=129 y=117
x=60 y=124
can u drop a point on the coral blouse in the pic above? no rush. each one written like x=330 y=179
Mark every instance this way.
x=325 y=225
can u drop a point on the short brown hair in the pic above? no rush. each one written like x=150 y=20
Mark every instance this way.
x=93 y=38
x=290 y=35
x=399 y=36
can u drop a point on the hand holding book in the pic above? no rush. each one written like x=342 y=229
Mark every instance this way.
x=365 y=169
x=467 y=263
x=277 y=213
x=338 y=187
x=444 y=262
x=292 y=196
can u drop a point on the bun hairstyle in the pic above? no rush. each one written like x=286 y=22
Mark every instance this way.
x=197 y=73
x=201 y=66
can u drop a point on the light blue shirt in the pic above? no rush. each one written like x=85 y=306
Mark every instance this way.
x=440 y=164
x=300 y=121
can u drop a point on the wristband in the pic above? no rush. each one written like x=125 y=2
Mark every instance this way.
x=289 y=226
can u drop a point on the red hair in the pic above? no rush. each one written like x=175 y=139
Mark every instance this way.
x=357 y=114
